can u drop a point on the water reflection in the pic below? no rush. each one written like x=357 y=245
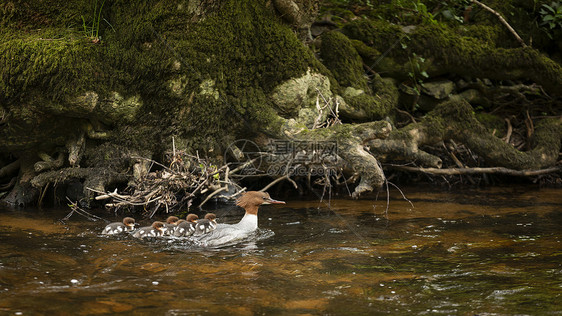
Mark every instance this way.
x=497 y=249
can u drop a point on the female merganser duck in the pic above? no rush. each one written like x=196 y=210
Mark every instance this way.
x=127 y=225
x=206 y=225
x=225 y=233
x=170 y=225
x=156 y=230
x=187 y=227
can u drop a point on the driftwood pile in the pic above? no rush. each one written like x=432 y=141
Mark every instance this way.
x=174 y=187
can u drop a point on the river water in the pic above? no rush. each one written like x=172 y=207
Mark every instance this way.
x=487 y=251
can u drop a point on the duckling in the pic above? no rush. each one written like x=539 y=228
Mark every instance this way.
x=156 y=230
x=127 y=225
x=177 y=224
x=187 y=227
x=206 y=225
x=170 y=225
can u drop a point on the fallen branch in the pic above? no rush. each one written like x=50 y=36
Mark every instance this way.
x=244 y=165
x=108 y=195
x=285 y=177
x=493 y=170
x=217 y=191
x=76 y=209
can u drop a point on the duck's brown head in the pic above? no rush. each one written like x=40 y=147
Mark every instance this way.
x=191 y=218
x=129 y=221
x=180 y=221
x=210 y=216
x=172 y=219
x=157 y=225
x=252 y=199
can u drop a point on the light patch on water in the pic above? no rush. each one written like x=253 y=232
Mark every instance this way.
x=503 y=294
x=318 y=266
x=351 y=249
x=293 y=223
x=336 y=231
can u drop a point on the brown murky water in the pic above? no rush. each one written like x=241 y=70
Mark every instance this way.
x=496 y=251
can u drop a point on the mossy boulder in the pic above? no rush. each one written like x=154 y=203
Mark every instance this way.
x=341 y=58
x=157 y=68
x=360 y=106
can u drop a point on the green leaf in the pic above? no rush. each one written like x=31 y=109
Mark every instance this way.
x=447 y=14
x=549 y=8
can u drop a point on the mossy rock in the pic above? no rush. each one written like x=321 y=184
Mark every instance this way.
x=296 y=94
x=360 y=106
x=342 y=59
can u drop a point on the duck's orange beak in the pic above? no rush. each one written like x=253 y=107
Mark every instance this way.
x=272 y=201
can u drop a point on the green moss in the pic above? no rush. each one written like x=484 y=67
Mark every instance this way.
x=39 y=61
x=474 y=55
x=547 y=135
x=339 y=55
x=492 y=123
x=378 y=34
x=368 y=54
x=362 y=107
x=470 y=56
x=32 y=15
x=241 y=46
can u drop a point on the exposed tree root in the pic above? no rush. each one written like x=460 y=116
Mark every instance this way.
x=97 y=178
x=49 y=163
x=22 y=192
x=10 y=169
x=351 y=139
x=454 y=120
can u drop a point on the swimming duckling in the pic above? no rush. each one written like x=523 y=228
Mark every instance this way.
x=172 y=233
x=187 y=227
x=206 y=225
x=156 y=230
x=170 y=225
x=127 y=225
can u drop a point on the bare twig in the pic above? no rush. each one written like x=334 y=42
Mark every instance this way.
x=403 y=196
x=502 y=20
x=285 y=177
x=509 y=130
x=244 y=165
x=217 y=191
x=76 y=209
x=407 y=114
x=493 y=170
